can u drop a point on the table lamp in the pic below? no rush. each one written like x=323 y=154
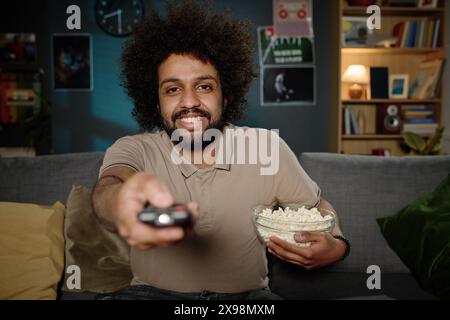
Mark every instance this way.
x=357 y=76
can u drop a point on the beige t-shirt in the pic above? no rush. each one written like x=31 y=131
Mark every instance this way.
x=224 y=254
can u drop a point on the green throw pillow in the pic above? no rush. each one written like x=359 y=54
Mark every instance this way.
x=420 y=235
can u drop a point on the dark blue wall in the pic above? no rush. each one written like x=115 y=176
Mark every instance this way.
x=91 y=121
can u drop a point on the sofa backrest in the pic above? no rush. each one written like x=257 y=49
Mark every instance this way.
x=362 y=189
x=47 y=179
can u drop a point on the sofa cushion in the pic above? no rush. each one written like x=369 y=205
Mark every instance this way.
x=420 y=235
x=102 y=256
x=293 y=282
x=31 y=250
x=362 y=189
x=47 y=179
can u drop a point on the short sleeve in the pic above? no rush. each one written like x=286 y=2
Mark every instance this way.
x=291 y=183
x=127 y=151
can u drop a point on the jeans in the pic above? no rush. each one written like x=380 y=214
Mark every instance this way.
x=143 y=292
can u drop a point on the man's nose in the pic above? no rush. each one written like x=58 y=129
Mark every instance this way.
x=190 y=99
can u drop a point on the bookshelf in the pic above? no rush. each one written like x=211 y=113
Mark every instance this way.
x=20 y=101
x=399 y=60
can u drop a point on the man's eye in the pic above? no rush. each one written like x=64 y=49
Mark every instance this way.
x=205 y=87
x=172 y=90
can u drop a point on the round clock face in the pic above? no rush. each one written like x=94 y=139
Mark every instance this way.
x=118 y=17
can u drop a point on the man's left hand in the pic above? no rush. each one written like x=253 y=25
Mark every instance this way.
x=324 y=249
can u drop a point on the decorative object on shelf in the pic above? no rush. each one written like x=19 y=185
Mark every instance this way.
x=427 y=3
x=426 y=80
x=379 y=83
x=398 y=86
x=381 y=152
x=357 y=76
x=381 y=41
x=389 y=119
x=424 y=147
x=355 y=32
x=118 y=18
x=72 y=62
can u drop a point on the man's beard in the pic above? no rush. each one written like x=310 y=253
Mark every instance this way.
x=195 y=140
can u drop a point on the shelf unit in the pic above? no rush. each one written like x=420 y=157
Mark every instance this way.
x=398 y=60
x=13 y=130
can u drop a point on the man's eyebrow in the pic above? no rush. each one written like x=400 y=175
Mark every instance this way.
x=175 y=80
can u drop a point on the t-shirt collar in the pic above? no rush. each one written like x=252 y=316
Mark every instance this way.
x=188 y=169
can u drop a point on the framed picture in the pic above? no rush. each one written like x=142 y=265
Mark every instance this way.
x=398 y=86
x=355 y=33
x=426 y=80
x=288 y=85
x=427 y=3
x=275 y=50
x=72 y=62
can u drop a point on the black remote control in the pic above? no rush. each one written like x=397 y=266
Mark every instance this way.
x=176 y=215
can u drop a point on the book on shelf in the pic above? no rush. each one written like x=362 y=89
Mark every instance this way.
x=354 y=122
x=347 y=122
x=423 y=33
x=421 y=129
x=420 y=121
x=351 y=125
x=366 y=115
x=18 y=97
x=418 y=114
x=360 y=120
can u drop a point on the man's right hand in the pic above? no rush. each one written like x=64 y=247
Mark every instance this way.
x=130 y=199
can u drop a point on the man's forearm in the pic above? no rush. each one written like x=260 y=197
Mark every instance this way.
x=324 y=204
x=103 y=197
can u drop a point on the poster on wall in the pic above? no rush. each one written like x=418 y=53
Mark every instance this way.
x=293 y=18
x=288 y=85
x=276 y=50
x=72 y=62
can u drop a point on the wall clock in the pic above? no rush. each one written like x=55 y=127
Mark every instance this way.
x=118 y=17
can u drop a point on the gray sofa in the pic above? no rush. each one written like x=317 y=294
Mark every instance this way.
x=360 y=188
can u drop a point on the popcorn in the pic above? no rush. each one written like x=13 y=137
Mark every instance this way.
x=284 y=224
x=300 y=215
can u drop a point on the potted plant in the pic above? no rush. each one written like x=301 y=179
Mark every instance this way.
x=419 y=146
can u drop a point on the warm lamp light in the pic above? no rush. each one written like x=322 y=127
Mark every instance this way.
x=358 y=76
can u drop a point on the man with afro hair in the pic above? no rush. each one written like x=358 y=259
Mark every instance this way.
x=188 y=73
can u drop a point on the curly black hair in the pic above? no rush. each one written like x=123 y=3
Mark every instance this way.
x=190 y=27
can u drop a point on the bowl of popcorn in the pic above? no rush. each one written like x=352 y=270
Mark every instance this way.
x=285 y=223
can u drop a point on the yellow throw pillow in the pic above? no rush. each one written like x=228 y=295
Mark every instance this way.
x=31 y=250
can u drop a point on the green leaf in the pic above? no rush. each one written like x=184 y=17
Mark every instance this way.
x=414 y=141
x=434 y=141
x=437 y=149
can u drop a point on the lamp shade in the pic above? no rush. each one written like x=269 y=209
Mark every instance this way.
x=356 y=74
